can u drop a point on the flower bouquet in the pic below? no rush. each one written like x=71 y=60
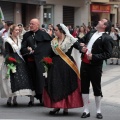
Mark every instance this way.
x=47 y=61
x=11 y=65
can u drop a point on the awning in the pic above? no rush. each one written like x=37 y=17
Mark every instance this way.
x=100 y=8
x=36 y=2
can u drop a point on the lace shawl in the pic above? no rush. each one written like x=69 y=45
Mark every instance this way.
x=16 y=48
x=65 y=46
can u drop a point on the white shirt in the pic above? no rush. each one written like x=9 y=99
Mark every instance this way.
x=5 y=36
x=1 y=31
x=95 y=36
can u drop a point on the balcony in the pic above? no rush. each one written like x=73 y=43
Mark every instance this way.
x=100 y=1
x=36 y=2
x=114 y=2
x=106 y=1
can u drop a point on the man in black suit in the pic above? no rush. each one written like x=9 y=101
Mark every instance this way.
x=96 y=46
x=35 y=46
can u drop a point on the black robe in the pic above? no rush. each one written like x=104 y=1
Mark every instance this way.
x=40 y=43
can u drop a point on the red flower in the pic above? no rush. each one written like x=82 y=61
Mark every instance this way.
x=9 y=60
x=12 y=59
x=47 y=60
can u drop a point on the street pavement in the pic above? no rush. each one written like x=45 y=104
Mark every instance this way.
x=110 y=102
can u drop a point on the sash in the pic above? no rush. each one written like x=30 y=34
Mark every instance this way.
x=68 y=61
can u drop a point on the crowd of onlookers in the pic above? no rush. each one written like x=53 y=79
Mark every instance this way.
x=78 y=31
x=115 y=34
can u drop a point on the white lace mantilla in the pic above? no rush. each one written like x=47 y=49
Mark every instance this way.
x=65 y=46
x=16 y=48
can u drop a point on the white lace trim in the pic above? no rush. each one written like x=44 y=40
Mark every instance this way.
x=23 y=92
x=12 y=43
x=65 y=46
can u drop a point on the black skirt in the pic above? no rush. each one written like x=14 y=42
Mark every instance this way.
x=21 y=80
x=62 y=80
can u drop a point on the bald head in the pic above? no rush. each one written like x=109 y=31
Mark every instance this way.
x=34 y=25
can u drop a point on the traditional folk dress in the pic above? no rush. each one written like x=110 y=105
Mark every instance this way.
x=62 y=88
x=19 y=83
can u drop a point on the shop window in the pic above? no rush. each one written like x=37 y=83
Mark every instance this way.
x=48 y=15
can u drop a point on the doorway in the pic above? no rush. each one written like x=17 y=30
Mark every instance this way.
x=95 y=17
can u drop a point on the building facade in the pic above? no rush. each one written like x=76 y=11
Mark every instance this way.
x=104 y=9
x=69 y=12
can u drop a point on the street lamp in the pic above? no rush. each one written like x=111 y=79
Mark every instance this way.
x=116 y=7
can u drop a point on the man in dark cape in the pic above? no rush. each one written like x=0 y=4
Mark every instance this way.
x=36 y=46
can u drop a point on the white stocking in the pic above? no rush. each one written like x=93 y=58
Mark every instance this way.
x=85 y=98
x=98 y=103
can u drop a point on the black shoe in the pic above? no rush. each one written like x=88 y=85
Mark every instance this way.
x=9 y=104
x=65 y=112
x=15 y=104
x=85 y=115
x=99 y=116
x=30 y=104
x=42 y=104
x=54 y=111
x=40 y=99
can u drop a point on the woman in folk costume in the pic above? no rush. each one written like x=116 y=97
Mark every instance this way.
x=62 y=88
x=18 y=83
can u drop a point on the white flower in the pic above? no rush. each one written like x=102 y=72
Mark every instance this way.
x=45 y=74
x=14 y=69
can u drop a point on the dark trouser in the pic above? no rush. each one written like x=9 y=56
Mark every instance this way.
x=91 y=74
x=32 y=70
